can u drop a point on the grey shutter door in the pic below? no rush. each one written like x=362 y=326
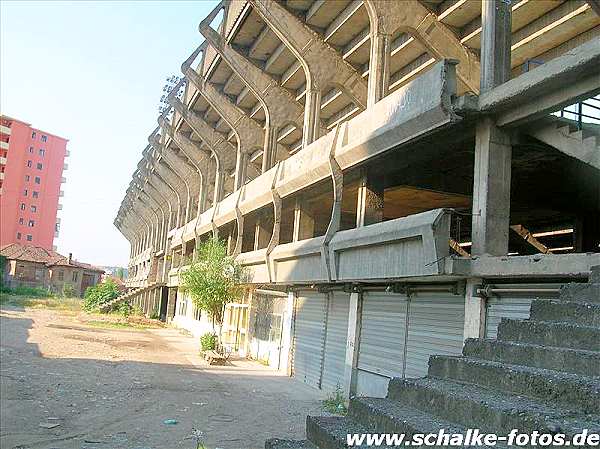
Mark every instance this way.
x=309 y=336
x=435 y=326
x=513 y=305
x=335 y=341
x=382 y=334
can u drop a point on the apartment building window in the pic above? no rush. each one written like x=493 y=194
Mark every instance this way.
x=29 y=163
x=31 y=150
x=44 y=138
x=35 y=194
x=18 y=236
x=22 y=206
x=75 y=275
x=31 y=223
x=39 y=166
x=21 y=221
x=29 y=237
x=42 y=152
x=37 y=180
x=27 y=178
x=33 y=135
x=25 y=192
x=61 y=275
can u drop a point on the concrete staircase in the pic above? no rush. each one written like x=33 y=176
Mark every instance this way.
x=564 y=135
x=540 y=374
x=129 y=295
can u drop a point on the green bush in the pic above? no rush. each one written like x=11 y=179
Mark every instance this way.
x=68 y=291
x=99 y=294
x=32 y=292
x=208 y=341
x=335 y=403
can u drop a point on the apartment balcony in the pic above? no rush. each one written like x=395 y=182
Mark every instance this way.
x=2 y=161
x=59 y=207
x=1 y=175
x=55 y=234
x=5 y=130
x=66 y=167
x=61 y=193
x=3 y=145
x=67 y=153
x=63 y=180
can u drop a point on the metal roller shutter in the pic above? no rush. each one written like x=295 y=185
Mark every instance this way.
x=309 y=336
x=335 y=340
x=515 y=304
x=382 y=334
x=435 y=326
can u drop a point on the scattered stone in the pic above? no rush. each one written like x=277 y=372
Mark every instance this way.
x=49 y=425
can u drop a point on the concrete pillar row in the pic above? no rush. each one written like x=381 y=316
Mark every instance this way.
x=281 y=108
x=151 y=195
x=250 y=135
x=197 y=158
x=166 y=215
x=324 y=67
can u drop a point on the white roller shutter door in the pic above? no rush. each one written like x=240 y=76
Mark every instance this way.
x=335 y=341
x=309 y=337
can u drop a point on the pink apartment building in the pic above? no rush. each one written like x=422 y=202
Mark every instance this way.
x=31 y=173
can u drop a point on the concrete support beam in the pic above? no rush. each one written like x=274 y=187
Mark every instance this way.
x=491 y=190
x=493 y=150
x=324 y=67
x=474 y=311
x=370 y=200
x=412 y=17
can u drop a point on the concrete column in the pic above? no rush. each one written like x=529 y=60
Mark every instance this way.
x=493 y=151
x=352 y=342
x=491 y=190
x=262 y=233
x=304 y=222
x=287 y=335
x=312 y=116
x=270 y=148
x=370 y=200
x=379 y=68
x=240 y=169
x=474 y=311
x=496 y=18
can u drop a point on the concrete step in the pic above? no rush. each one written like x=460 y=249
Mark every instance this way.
x=579 y=292
x=570 y=390
x=276 y=443
x=586 y=363
x=566 y=311
x=330 y=432
x=491 y=411
x=389 y=416
x=550 y=333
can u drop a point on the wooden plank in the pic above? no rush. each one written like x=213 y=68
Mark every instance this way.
x=457 y=248
x=529 y=238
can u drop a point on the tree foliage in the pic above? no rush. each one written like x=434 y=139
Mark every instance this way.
x=214 y=278
x=98 y=294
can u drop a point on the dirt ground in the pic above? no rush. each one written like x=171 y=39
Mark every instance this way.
x=113 y=388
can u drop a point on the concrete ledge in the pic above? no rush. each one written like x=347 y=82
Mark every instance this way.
x=538 y=266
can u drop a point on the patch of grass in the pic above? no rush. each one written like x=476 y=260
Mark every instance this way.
x=117 y=324
x=31 y=292
x=56 y=303
x=335 y=403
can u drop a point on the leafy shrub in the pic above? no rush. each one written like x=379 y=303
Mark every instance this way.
x=155 y=315
x=99 y=294
x=32 y=292
x=213 y=279
x=68 y=291
x=208 y=341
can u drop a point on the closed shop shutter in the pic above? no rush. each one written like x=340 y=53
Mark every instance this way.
x=335 y=340
x=309 y=336
x=435 y=326
x=382 y=334
x=513 y=304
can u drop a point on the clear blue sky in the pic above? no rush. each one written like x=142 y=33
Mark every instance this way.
x=93 y=72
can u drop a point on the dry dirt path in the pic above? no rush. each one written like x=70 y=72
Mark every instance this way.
x=113 y=389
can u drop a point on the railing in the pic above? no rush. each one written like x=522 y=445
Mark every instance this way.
x=583 y=110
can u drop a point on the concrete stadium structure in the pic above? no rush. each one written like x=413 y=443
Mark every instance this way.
x=397 y=177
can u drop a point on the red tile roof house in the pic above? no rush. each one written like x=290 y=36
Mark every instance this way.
x=33 y=266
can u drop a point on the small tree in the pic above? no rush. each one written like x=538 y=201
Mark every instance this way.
x=97 y=295
x=213 y=279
